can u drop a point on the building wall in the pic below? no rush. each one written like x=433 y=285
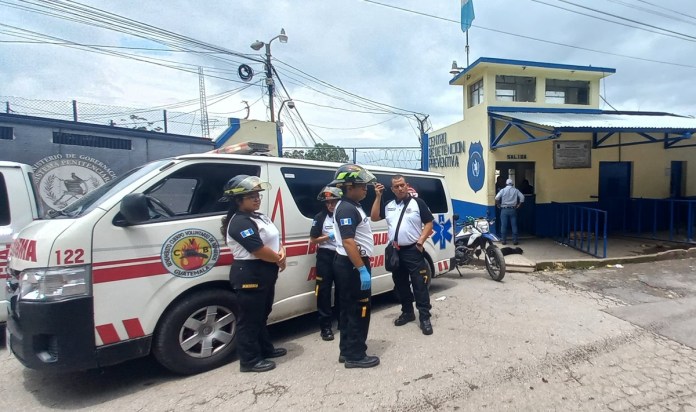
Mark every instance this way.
x=56 y=165
x=650 y=170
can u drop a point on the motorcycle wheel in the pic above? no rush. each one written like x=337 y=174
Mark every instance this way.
x=495 y=263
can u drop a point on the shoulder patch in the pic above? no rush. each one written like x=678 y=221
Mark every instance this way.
x=345 y=222
x=246 y=233
x=314 y=222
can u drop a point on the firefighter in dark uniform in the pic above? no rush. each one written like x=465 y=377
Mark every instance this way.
x=258 y=256
x=416 y=227
x=354 y=247
x=322 y=234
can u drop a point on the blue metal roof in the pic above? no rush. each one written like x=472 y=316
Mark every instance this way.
x=529 y=63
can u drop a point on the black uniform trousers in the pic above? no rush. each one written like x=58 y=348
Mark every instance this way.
x=412 y=272
x=254 y=284
x=355 y=308
x=325 y=281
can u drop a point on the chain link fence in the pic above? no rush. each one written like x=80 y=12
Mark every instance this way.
x=152 y=119
x=189 y=124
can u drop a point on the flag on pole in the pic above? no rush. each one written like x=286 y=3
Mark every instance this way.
x=467 y=14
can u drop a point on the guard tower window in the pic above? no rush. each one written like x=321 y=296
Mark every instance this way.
x=567 y=91
x=515 y=89
x=476 y=93
x=5 y=133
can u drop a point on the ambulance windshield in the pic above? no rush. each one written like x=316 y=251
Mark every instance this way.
x=94 y=198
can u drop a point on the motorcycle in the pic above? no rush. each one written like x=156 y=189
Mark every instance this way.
x=472 y=240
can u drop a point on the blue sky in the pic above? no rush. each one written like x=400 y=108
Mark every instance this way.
x=394 y=57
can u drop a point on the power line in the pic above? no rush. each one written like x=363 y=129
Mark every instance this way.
x=353 y=128
x=665 y=8
x=79 y=46
x=532 y=38
x=613 y=21
x=627 y=19
x=345 y=91
x=653 y=12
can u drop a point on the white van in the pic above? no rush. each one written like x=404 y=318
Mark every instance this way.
x=139 y=265
x=18 y=208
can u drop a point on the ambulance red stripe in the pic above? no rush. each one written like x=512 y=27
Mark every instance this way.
x=291 y=251
x=108 y=333
x=128 y=272
x=124 y=261
x=133 y=328
x=121 y=271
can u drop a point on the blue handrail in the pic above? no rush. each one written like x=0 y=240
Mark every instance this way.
x=661 y=219
x=582 y=228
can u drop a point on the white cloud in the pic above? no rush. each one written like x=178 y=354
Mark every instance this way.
x=397 y=58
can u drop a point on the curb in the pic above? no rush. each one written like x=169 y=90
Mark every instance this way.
x=585 y=264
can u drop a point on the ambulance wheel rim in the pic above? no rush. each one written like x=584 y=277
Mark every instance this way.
x=207 y=331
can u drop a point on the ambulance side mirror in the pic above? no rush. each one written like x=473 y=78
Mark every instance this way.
x=134 y=210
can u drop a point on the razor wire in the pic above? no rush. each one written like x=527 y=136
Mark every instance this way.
x=154 y=120
x=400 y=157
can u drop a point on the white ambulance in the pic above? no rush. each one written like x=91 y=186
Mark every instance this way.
x=18 y=208
x=140 y=266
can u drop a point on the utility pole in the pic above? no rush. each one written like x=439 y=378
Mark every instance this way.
x=205 y=127
x=283 y=38
x=423 y=140
x=269 y=80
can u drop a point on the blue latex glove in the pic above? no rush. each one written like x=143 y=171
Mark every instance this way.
x=332 y=236
x=365 y=278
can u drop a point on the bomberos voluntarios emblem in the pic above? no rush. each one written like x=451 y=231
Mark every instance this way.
x=190 y=253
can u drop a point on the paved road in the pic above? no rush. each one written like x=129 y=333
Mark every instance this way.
x=574 y=340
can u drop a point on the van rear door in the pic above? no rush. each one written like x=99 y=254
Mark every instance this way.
x=18 y=208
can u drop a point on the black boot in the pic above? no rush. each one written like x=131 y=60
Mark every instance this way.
x=426 y=327
x=404 y=318
x=327 y=334
x=366 y=362
x=261 y=366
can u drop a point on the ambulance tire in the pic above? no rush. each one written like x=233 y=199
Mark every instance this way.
x=173 y=331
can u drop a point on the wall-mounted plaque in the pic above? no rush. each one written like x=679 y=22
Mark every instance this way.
x=572 y=154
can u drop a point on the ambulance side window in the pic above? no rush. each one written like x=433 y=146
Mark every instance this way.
x=196 y=189
x=4 y=203
x=305 y=184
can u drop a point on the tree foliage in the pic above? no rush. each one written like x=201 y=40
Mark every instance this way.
x=321 y=151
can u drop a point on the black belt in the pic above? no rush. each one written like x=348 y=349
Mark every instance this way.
x=509 y=207
x=407 y=246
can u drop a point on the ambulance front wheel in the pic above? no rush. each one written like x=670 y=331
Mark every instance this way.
x=198 y=332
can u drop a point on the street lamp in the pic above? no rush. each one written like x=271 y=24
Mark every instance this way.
x=455 y=68
x=279 y=125
x=257 y=45
x=291 y=105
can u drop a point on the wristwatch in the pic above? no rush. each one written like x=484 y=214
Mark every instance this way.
x=419 y=244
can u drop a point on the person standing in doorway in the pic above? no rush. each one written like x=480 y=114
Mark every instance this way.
x=526 y=188
x=509 y=200
x=322 y=234
x=354 y=247
x=415 y=228
x=258 y=256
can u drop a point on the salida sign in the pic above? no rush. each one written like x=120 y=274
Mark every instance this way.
x=442 y=153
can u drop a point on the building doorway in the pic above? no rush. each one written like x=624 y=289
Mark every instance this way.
x=523 y=176
x=615 y=192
